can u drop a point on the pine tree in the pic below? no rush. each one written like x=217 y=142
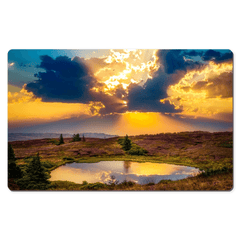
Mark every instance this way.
x=61 y=140
x=14 y=171
x=127 y=143
x=83 y=138
x=76 y=137
x=35 y=177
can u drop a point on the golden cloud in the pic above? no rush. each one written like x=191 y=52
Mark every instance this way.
x=204 y=92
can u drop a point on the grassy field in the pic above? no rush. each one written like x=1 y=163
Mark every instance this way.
x=211 y=152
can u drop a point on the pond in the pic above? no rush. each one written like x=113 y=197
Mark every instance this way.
x=141 y=173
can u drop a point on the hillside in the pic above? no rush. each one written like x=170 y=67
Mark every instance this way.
x=211 y=152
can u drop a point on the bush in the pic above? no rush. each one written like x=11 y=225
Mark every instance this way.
x=226 y=144
x=127 y=184
x=214 y=171
x=48 y=164
x=69 y=159
x=76 y=138
x=131 y=148
x=53 y=141
x=92 y=186
x=136 y=150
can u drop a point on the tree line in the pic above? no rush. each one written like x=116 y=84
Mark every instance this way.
x=75 y=138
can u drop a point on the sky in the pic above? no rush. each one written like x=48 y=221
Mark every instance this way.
x=133 y=91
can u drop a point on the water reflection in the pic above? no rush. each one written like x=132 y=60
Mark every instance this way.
x=126 y=165
x=141 y=173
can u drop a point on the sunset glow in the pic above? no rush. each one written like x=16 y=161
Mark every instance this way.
x=147 y=91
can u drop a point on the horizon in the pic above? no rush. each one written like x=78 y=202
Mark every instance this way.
x=120 y=92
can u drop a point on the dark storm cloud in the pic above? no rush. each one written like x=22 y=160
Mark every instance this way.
x=211 y=54
x=147 y=98
x=193 y=53
x=173 y=60
x=225 y=57
x=70 y=80
x=65 y=80
x=216 y=56
x=113 y=104
x=174 y=66
x=64 y=65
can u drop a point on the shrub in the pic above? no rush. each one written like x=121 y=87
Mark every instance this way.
x=53 y=141
x=76 y=138
x=136 y=150
x=226 y=144
x=92 y=186
x=48 y=164
x=69 y=159
x=131 y=148
x=214 y=171
x=127 y=184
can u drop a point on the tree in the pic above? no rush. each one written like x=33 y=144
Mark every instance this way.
x=83 y=138
x=61 y=140
x=127 y=143
x=76 y=138
x=14 y=171
x=35 y=177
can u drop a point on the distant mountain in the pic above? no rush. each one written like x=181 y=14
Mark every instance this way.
x=96 y=124
x=31 y=136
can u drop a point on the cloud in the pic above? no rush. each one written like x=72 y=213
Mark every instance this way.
x=173 y=60
x=65 y=80
x=147 y=98
x=174 y=68
x=193 y=53
x=112 y=104
x=216 y=86
x=217 y=57
x=80 y=80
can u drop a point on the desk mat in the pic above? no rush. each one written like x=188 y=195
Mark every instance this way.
x=120 y=120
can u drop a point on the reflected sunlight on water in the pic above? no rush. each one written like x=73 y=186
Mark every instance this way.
x=141 y=173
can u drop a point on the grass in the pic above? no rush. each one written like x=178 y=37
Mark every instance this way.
x=200 y=183
x=212 y=153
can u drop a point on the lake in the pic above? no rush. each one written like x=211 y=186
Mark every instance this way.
x=141 y=173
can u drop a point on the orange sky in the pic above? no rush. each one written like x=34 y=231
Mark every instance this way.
x=122 y=68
